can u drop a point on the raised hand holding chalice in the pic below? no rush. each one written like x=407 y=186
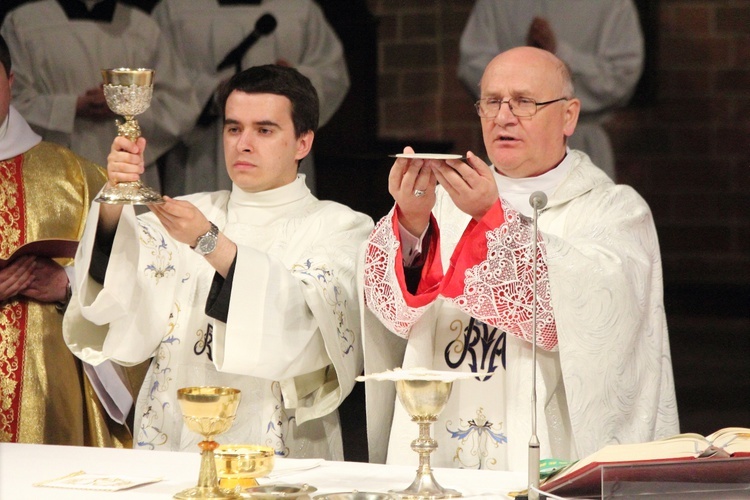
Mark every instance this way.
x=128 y=93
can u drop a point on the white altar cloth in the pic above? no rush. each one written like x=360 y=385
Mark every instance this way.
x=23 y=465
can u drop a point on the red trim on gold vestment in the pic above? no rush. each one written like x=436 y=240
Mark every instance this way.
x=14 y=313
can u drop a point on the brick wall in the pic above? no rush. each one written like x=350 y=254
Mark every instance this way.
x=687 y=152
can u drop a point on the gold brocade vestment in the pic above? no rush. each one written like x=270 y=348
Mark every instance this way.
x=45 y=397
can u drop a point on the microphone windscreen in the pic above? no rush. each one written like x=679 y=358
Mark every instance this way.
x=265 y=24
x=538 y=200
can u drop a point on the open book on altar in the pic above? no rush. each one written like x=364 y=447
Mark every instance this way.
x=52 y=248
x=584 y=476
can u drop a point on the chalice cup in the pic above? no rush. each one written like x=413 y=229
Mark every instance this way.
x=128 y=93
x=209 y=411
x=424 y=400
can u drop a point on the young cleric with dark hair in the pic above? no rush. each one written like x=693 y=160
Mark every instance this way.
x=253 y=288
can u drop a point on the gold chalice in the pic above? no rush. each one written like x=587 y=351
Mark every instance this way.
x=128 y=93
x=241 y=464
x=423 y=400
x=209 y=411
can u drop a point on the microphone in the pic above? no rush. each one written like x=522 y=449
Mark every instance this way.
x=537 y=200
x=263 y=26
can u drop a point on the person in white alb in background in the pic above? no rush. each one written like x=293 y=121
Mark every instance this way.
x=292 y=33
x=61 y=46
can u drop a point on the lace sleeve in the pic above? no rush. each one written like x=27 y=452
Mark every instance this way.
x=383 y=289
x=499 y=289
x=490 y=278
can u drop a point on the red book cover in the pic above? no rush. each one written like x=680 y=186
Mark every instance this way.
x=52 y=248
x=655 y=477
x=721 y=457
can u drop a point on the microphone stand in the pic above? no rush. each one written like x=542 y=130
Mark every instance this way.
x=265 y=25
x=537 y=201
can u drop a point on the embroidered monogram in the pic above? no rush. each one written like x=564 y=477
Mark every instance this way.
x=479 y=346
x=204 y=342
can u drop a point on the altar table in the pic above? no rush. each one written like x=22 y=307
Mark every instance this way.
x=23 y=465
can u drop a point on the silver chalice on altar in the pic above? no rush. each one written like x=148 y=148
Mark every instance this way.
x=424 y=400
x=423 y=393
x=128 y=93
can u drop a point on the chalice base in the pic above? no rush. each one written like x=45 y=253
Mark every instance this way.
x=129 y=193
x=425 y=487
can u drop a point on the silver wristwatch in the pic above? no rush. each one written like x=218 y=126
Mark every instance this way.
x=205 y=244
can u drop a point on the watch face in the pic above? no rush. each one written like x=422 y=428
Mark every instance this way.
x=207 y=244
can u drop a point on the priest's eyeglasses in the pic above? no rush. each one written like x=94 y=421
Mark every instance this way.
x=519 y=106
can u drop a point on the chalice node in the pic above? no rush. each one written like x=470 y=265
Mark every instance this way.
x=208 y=411
x=128 y=93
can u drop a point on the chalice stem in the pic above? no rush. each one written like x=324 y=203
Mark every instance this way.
x=424 y=485
x=208 y=477
x=129 y=128
x=424 y=445
x=132 y=130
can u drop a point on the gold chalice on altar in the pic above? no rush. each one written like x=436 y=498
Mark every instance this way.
x=423 y=400
x=209 y=411
x=128 y=93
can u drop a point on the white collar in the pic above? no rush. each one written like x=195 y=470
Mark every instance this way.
x=517 y=191
x=289 y=193
x=16 y=137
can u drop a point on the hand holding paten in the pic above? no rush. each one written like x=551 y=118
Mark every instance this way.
x=470 y=185
x=412 y=185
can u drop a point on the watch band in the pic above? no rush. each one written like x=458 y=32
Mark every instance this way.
x=62 y=306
